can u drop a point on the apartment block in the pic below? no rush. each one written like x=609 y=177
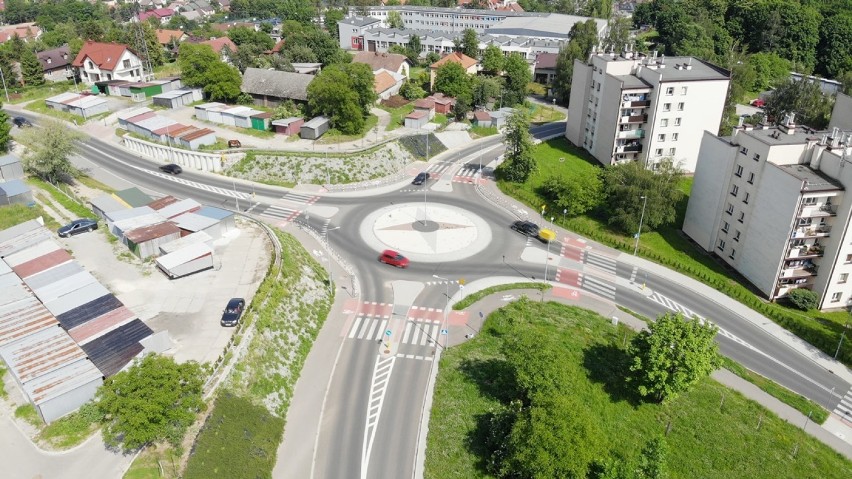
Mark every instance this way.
x=772 y=203
x=633 y=107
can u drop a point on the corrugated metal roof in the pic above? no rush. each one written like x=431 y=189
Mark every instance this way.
x=114 y=350
x=88 y=311
x=80 y=296
x=60 y=381
x=41 y=352
x=107 y=203
x=180 y=207
x=101 y=325
x=24 y=240
x=194 y=135
x=155 y=123
x=147 y=233
x=9 y=159
x=162 y=202
x=14 y=187
x=65 y=286
x=52 y=275
x=208 y=106
x=125 y=214
x=31 y=252
x=214 y=212
x=130 y=113
x=130 y=224
x=22 y=318
x=4 y=268
x=285 y=121
x=42 y=263
x=194 y=238
x=134 y=197
x=62 y=97
x=13 y=289
x=14 y=231
x=183 y=255
x=87 y=102
x=194 y=222
x=141 y=117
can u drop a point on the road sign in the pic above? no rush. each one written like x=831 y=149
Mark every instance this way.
x=388 y=332
x=445 y=331
x=461 y=286
x=461 y=281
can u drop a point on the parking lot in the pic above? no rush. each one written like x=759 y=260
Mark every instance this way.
x=190 y=307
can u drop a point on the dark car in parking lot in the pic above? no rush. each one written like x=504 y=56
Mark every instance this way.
x=420 y=178
x=233 y=311
x=21 y=122
x=527 y=228
x=77 y=227
x=171 y=169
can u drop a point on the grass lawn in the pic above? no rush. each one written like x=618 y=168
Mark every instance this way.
x=333 y=136
x=713 y=431
x=155 y=463
x=483 y=131
x=39 y=106
x=545 y=114
x=398 y=115
x=668 y=246
x=21 y=95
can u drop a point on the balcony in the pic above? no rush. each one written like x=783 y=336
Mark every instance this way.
x=812 y=232
x=816 y=211
x=803 y=271
x=634 y=119
x=636 y=104
x=812 y=251
x=640 y=133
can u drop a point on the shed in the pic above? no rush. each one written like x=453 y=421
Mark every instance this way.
x=52 y=275
x=183 y=241
x=499 y=117
x=44 y=263
x=143 y=90
x=427 y=105
x=271 y=87
x=417 y=119
x=192 y=222
x=178 y=98
x=260 y=121
x=22 y=317
x=10 y=168
x=87 y=106
x=15 y=191
x=481 y=119
x=118 y=215
x=115 y=349
x=314 y=128
x=32 y=251
x=83 y=295
x=443 y=104
x=187 y=260
x=22 y=236
x=126 y=116
x=225 y=217
x=288 y=126
x=187 y=205
x=201 y=111
x=123 y=89
x=110 y=87
x=58 y=102
x=196 y=137
x=122 y=227
x=87 y=311
x=106 y=203
x=231 y=114
x=146 y=241
x=161 y=203
x=134 y=197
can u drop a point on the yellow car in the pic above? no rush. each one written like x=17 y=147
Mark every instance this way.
x=546 y=235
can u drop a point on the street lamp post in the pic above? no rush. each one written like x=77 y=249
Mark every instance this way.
x=326 y=233
x=546 y=261
x=3 y=77
x=842 y=335
x=641 y=219
x=444 y=326
x=564 y=212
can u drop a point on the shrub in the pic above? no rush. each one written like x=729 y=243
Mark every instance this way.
x=803 y=299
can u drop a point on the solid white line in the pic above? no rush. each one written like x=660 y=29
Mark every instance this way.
x=372 y=329
x=382 y=329
x=355 y=327
x=373 y=419
x=407 y=333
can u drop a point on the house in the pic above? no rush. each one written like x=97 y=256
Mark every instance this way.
x=314 y=128
x=170 y=38
x=470 y=65
x=387 y=84
x=56 y=63
x=25 y=31
x=481 y=119
x=425 y=105
x=545 y=68
x=417 y=119
x=288 y=126
x=161 y=14
x=392 y=62
x=10 y=167
x=223 y=46
x=15 y=191
x=98 y=61
x=271 y=87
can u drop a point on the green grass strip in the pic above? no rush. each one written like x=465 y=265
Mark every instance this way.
x=474 y=297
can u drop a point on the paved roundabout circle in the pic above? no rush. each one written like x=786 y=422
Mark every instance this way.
x=426 y=232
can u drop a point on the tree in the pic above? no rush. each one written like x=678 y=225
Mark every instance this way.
x=332 y=16
x=451 y=79
x=574 y=195
x=155 y=399
x=619 y=34
x=321 y=43
x=652 y=462
x=672 y=355
x=626 y=184
x=223 y=82
x=411 y=91
x=32 y=74
x=769 y=69
x=194 y=60
x=803 y=298
x=834 y=52
x=49 y=149
x=492 y=60
x=5 y=130
x=470 y=43
x=414 y=48
x=300 y=54
x=248 y=36
x=518 y=163
x=484 y=89
x=344 y=93
x=802 y=98
x=517 y=77
x=395 y=20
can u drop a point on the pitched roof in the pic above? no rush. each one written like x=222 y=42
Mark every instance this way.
x=217 y=44
x=158 y=13
x=378 y=61
x=25 y=31
x=424 y=103
x=165 y=37
x=457 y=57
x=104 y=55
x=276 y=84
x=546 y=60
x=59 y=57
x=382 y=81
x=481 y=115
x=417 y=114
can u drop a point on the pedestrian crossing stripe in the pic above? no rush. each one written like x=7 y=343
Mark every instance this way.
x=300 y=198
x=280 y=212
x=417 y=331
x=844 y=407
x=601 y=262
x=598 y=286
x=437 y=168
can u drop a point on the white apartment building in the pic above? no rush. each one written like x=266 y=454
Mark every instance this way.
x=773 y=204
x=637 y=108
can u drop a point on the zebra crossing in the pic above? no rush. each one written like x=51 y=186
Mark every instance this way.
x=601 y=262
x=281 y=213
x=435 y=283
x=300 y=198
x=437 y=169
x=844 y=407
x=468 y=175
x=418 y=332
x=598 y=286
x=676 y=307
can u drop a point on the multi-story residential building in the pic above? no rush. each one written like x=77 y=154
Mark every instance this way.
x=107 y=61
x=637 y=108
x=773 y=204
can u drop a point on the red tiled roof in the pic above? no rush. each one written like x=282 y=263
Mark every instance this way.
x=104 y=55
x=159 y=13
x=165 y=37
x=218 y=43
x=457 y=57
x=382 y=81
x=546 y=60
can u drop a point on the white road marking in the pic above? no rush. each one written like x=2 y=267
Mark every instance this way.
x=378 y=388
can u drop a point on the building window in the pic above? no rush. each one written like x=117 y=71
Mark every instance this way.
x=677 y=121
x=744 y=150
x=667 y=107
x=843 y=278
x=751 y=178
x=730 y=211
x=739 y=172
x=725 y=226
x=721 y=245
x=598 y=88
x=809 y=201
x=680 y=106
x=664 y=122
x=683 y=90
x=757 y=157
x=670 y=91
x=126 y=63
x=737 y=236
x=836 y=297
x=674 y=136
x=658 y=152
x=733 y=254
x=671 y=151
x=734 y=190
x=747 y=195
x=849 y=258
x=742 y=217
x=661 y=137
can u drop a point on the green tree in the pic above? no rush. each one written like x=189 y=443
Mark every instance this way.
x=619 y=34
x=249 y=55
x=326 y=48
x=411 y=91
x=574 y=195
x=518 y=163
x=834 y=52
x=5 y=131
x=331 y=18
x=223 y=82
x=155 y=399
x=32 y=73
x=344 y=93
x=846 y=79
x=484 y=90
x=49 y=150
x=625 y=185
x=518 y=75
x=769 y=69
x=583 y=38
x=652 y=462
x=492 y=60
x=451 y=79
x=395 y=20
x=470 y=43
x=300 y=54
x=802 y=98
x=194 y=60
x=414 y=48
x=672 y=355
x=803 y=298
x=248 y=36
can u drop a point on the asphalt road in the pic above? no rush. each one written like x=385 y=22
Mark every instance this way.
x=349 y=443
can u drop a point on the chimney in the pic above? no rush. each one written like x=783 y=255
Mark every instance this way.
x=689 y=64
x=740 y=121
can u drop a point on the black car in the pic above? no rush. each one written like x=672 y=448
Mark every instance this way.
x=171 y=169
x=527 y=228
x=76 y=227
x=21 y=122
x=233 y=312
x=420 y=178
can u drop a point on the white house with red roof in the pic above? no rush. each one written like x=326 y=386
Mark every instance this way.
x=107 y=61
x=161 y=14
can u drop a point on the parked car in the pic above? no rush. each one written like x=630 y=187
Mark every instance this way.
x=234 y=144
x=77 y=227
x=420 y=178
x=171 y=169
x=527 y=228
x=759 y=103
x=21 y=122
x=393 y=258
x=233 y=312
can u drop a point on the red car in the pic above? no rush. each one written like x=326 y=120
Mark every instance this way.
x=393 y=258
x=758 y=103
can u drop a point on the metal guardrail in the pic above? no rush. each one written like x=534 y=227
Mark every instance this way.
x=334 y=254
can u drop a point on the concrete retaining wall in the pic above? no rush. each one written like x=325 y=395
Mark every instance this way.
x=215 y=162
